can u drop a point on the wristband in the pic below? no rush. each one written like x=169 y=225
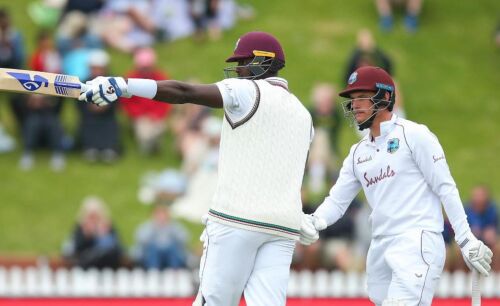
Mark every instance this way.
x=145 y=88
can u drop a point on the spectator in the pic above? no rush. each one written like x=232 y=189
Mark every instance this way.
x=173 y=18
x=42 y=125
x=79 y=22
x=367 y=53
x=482 y=215
x=195 y=202
x=413 y=8
x=337 y=241
x=46 y=58
x=99 y=130
x=307 y=257
x=187 y=127
x=94 y=242
x=324 y=150
x=12 y=54
x=497 y=36
x=127 y=25
x=148 y=117
x=204 y=14
x=161 y=242
x=453 y=255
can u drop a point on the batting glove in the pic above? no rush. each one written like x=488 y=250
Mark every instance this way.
x=310 y=227
x=476 y=254
x=105 y=90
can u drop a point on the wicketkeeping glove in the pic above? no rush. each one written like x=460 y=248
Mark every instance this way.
x=476 y=254
x=310 y=227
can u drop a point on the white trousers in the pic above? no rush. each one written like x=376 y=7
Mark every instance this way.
x=406 y=267
x=237 y=261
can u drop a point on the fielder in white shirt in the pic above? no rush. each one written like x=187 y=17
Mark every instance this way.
x=254 y=220
x=402 y=169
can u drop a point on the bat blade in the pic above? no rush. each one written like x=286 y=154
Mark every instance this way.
x=36 y=82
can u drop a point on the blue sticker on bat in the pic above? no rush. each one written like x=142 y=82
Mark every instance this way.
x=28 y=83
x=62 y=85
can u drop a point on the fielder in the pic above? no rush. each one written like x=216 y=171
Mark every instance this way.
x=255 y=217
x=402 y=170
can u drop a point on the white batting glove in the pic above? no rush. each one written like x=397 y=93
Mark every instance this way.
x=476 y=254
x=105 y=90
x=310 y=227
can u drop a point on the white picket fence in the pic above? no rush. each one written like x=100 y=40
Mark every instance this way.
x=44 y=282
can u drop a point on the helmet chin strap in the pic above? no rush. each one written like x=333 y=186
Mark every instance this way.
x=368 y=122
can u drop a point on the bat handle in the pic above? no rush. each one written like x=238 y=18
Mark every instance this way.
x=476 y=288
x=83 y=87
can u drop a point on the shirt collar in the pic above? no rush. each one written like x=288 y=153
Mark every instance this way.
x=385 y=128
x=277 y=81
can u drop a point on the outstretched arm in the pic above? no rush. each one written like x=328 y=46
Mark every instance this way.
x=176 y=92
x=105 y=90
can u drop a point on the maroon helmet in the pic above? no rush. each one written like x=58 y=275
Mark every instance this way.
x=264 y=50
x=368 y=78
x=374 y=79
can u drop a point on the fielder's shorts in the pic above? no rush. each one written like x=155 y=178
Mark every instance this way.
x=237 y=261
x=406 y=267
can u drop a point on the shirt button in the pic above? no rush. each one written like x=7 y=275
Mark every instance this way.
x=378 y=150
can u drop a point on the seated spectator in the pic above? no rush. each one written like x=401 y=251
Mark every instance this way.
x=413 y=7
x=161 y=242
x=79 y=22
x=336 y=247
x=173 y=18
x=94 y=242
x=99 y=130
x=126 y=25
x=196 y=200
x=324 y=152
x=148 y=117
x=483 y=219
x=497 y=36
x=187 y=123
x=12 y=55
x=453 y=255
x=42 y=125
x=204 y=14
x=367 y=53
x=307 y=257
x=337 y=241
x=45 y=58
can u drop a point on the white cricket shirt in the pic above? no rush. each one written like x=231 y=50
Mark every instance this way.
x=405 y=178
x=266 y=134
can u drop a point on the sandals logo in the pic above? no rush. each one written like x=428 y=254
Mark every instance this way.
x=382 y=176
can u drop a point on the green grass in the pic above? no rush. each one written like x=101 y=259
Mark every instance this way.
x=447 y=73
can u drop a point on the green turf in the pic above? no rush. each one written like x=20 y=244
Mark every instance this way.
x=447 y=73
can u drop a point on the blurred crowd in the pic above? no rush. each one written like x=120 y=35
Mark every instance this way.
x=83 y=30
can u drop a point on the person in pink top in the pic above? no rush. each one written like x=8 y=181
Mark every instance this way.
x=148 y=117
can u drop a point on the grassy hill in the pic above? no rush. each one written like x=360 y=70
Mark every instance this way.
x=447 y=71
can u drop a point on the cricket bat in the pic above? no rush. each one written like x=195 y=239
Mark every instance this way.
x=36 y=82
